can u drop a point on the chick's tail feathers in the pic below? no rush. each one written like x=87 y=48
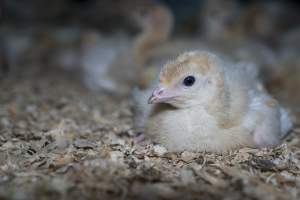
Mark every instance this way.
x=286 y=124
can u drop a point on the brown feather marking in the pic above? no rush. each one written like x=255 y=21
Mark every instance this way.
x=271 y=103
x=188 y=62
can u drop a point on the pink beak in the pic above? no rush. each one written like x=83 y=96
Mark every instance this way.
x=160 y=95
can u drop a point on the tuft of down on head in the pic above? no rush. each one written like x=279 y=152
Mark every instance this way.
x=200 y=62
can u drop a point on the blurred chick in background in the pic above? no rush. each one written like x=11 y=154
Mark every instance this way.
x=84 y=38
x=115 y=63
x=201 y=103
x=252 y=31
x=219 y=20
x=231 y=28
x=109 y=62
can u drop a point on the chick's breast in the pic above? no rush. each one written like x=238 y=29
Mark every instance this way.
x=192 y=129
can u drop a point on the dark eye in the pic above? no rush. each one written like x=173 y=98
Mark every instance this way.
x=189 y=81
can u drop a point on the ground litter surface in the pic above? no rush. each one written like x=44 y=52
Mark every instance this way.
x=61 y=141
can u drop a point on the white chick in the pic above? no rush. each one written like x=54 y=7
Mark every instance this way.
x=115 y=63
x=202 y=103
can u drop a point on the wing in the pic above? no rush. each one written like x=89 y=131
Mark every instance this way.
x=270 y=123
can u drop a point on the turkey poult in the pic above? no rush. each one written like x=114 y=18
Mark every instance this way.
x=202 y=103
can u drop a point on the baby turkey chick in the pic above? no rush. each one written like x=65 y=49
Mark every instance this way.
x=202 y=103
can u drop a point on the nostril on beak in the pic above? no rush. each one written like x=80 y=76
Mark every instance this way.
x=160 y=92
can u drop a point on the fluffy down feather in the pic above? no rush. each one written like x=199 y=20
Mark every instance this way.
x=224 y=106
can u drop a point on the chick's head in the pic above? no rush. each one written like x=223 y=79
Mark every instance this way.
x=193 y=78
